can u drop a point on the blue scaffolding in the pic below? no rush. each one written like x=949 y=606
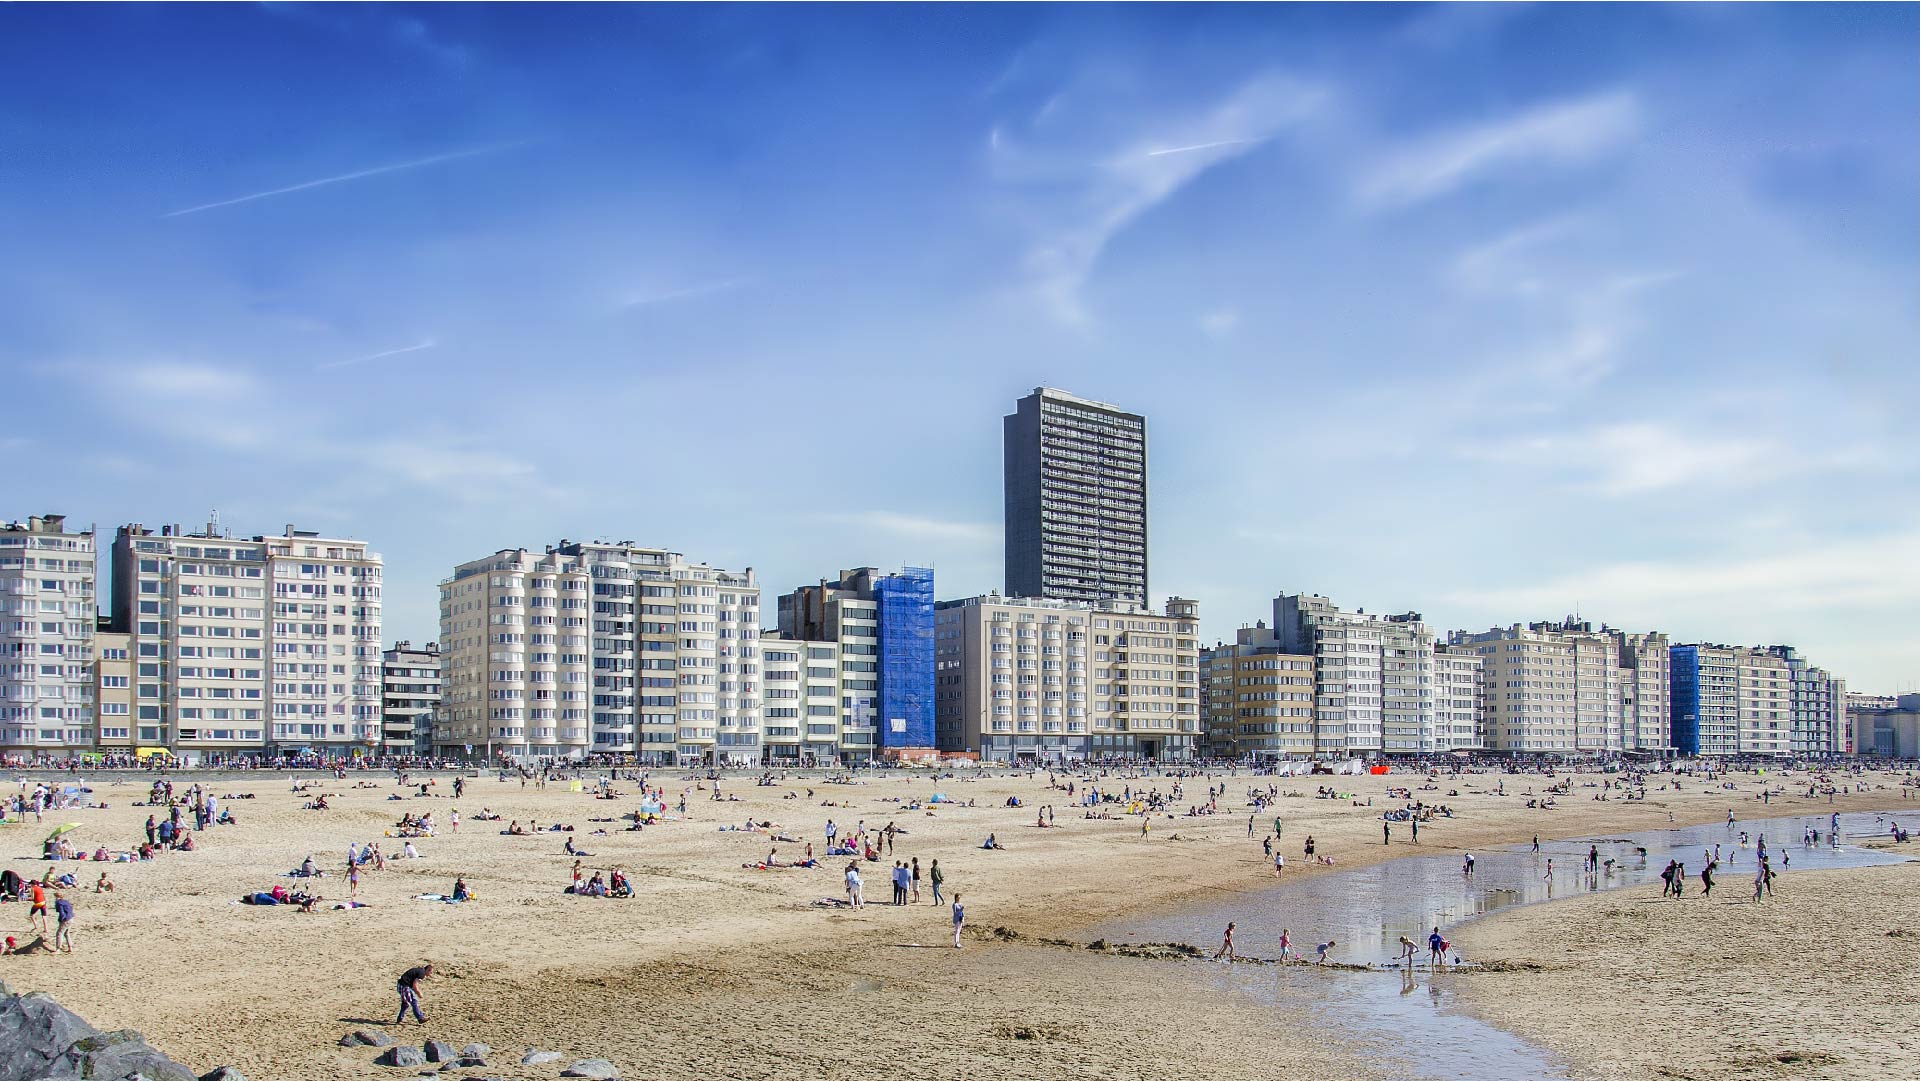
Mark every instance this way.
x=906 y=603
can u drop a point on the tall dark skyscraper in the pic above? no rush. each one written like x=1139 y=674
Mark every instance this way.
x=1076 y=491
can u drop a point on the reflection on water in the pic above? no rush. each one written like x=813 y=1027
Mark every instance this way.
x=1366 y=911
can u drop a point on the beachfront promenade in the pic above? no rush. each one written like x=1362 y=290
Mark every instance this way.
x=718 y=967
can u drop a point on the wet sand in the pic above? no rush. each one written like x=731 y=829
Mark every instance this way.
x=715 y=970
x=1817 y=982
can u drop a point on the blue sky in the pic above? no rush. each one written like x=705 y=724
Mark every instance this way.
x=1481 y=311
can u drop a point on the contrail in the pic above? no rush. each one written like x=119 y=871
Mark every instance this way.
x=375 y=171
x=1199 y=146
x=375 y=356
x=684 y=294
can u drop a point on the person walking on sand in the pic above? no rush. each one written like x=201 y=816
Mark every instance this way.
x=1287 y=943
x=853 y=885
x=1414 y=829
x=63 y=933
x=1227 y=943
x=1436 y=947
x=960 y=920
x=409 y=987
x=934 y=878
x=1760 y=880
x=916 y=880
x=1280 y=864
x=1549 y=877
x=1537 y=842
x=1707 y=880
x=1384 y=830
x=37 y=909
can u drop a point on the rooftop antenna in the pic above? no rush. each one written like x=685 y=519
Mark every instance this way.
x=213 y=522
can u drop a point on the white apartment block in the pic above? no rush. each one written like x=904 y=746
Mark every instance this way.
x=1375 y=681
x=1818 y=702
x=409 y=695
x=838 y=625
x=250 y=646
x=1568 y=688
x=595 y=648
x=1026 y=678
x=1646 y=726
x=1459 y=690
x=801 y=711
x=48 y=614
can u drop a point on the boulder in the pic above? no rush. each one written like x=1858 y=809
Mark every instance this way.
x=439 y=1051
x=224 y=1073
x=539 y=1058
x=401 y=1055
x=361 y=1037
x=598 y=1068
x=41 y=1040
x=476 y=1050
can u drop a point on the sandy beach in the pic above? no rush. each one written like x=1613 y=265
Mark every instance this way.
x=1817 y=981
x=719 y=970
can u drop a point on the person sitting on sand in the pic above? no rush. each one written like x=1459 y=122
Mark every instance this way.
x=104 y=885
x=993 y=843
x=460 y=889
x=514 y=829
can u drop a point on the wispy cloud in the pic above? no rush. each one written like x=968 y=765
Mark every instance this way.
x=917 y=527
x=358 y=174
x=1877 y=571
x=1638 y=458
x=1220 y=322
x=1141 y=166
x=1561 y=133
x=428 y=344
x=688 y=293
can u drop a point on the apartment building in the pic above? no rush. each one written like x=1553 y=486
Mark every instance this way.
x=1818 y=706
x=48 y=615
x=1260 y=700
x=1352 y=652
x=881 y=630
x=1645 y=724
x=113 y=690
x=244 y=647
x=1730 y=700
x=598 y=648
x=1038 y=679
x=801 y=704
x=1570 y=688
x=409 y=695
x=1460 y=699
x=1076 y=500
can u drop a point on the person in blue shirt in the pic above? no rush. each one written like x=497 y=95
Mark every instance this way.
x=63 y=932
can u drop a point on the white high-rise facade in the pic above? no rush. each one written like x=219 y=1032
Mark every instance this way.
x=48 y=614
x=595 y=648
x=1376 y=685
x=1569 y=688
x=250 y=646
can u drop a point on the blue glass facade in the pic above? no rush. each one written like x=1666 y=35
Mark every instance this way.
x=1684 y=699
x=906 y=603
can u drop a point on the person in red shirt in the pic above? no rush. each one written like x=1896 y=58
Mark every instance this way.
x=39 y=909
